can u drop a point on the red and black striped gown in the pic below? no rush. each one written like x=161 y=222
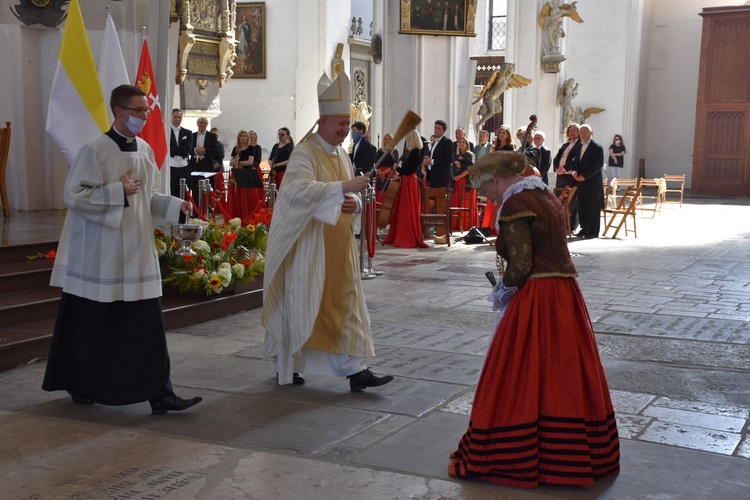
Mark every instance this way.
x=542 y=411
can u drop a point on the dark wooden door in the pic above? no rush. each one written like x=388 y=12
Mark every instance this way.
x=721 y=154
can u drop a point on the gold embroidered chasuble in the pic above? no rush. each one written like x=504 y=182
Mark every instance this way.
x=312 y=293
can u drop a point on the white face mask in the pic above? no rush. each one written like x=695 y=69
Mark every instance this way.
x=134 y=124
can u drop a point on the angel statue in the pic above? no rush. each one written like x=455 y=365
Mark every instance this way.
x=501 y=80
x=550 y=21
x=582 y=115
x=568 y=92
x=362 y=113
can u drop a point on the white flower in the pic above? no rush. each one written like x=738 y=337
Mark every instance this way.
x=238 y=270
x=201 y=246
x=218 y=256
x=225 y=275
x=225 y=265
x=199 y=274
x=161 y=248
x=235 y=223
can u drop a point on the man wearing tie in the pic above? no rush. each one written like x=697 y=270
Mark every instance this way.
x=180 y=142
x=203 y=154
x=587 y=171
x=441 y=157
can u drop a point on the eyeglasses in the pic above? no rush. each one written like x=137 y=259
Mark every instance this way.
x=138 y=110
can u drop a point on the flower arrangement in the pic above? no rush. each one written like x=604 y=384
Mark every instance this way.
x=225 y=254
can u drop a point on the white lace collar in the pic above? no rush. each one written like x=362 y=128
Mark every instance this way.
x=528 y=182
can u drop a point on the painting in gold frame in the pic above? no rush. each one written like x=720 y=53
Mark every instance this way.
x=251 y=40
x=438 y=17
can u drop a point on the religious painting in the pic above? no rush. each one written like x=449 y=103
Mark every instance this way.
x=251 y=40
x=438 y=17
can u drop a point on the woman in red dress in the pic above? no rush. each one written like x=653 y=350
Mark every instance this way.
x=542 y=411
x=503 y=142
x=406 y=226
x=462 y=195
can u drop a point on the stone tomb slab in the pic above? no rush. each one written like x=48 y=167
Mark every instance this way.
x=403 y=396
x=422 y=448
x=660 y=325
x=234 y=419
x=97 y=462
x=430 y=365
x=431 y=338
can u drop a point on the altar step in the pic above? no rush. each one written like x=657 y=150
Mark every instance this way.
x=28 y=305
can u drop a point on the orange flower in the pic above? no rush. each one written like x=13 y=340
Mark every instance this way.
x=50 y=256
x=187 y=258
x=159 y=233
x=228 y=239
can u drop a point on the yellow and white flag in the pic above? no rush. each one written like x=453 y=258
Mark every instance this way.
x=77 y=110
x=111 y=67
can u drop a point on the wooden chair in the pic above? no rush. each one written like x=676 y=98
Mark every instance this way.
x=4 y=148
x=607 y=191
x=436 y=212
x=625 y=208
x=655 y=192
x=566 y=195
x=622 y=183
x=674 y=179
x=461 y=213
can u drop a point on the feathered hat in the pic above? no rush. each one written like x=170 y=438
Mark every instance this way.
x=497 y=164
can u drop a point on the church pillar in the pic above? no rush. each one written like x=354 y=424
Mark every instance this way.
x=323 y=25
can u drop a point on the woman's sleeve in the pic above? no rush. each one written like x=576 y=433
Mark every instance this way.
x=517 y=236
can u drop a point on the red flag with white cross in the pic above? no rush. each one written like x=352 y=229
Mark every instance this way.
x=153 y=132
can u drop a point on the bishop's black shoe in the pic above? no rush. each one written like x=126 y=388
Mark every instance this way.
x=172 y=403
x=366 y=378
x=297 y=379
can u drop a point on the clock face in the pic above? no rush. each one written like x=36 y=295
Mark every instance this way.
x=41 y=3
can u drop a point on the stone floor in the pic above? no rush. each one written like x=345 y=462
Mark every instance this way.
x=672 y=318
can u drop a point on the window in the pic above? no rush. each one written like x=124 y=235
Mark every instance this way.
x=498 y=25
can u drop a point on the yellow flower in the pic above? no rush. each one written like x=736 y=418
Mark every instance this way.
x=215 y=282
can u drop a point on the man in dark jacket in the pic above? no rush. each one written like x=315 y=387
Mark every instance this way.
x=587 y=171
x=363 y=154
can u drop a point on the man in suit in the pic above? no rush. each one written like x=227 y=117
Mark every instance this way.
x=484 y=145
x=203 y=154
x=587 y=171
x=460 y=134
x=563 y=164
x=363 y=153
x=441 y=157
x=180 y=142
x=545 y=155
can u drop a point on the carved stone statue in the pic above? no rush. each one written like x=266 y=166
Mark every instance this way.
x=361 y=112
x=551 y=21
x=568 y=92
x=501 y=80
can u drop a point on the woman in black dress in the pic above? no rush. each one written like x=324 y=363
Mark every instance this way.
x=280 y=154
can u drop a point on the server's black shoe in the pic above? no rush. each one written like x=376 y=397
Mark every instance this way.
x=172 y=403
x=366 y=378
x=80 y=399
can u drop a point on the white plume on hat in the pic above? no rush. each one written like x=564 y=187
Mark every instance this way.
x=334 y=98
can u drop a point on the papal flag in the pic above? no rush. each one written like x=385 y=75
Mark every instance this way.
x=111 y=67
x=153 y=131
x=77 y=110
